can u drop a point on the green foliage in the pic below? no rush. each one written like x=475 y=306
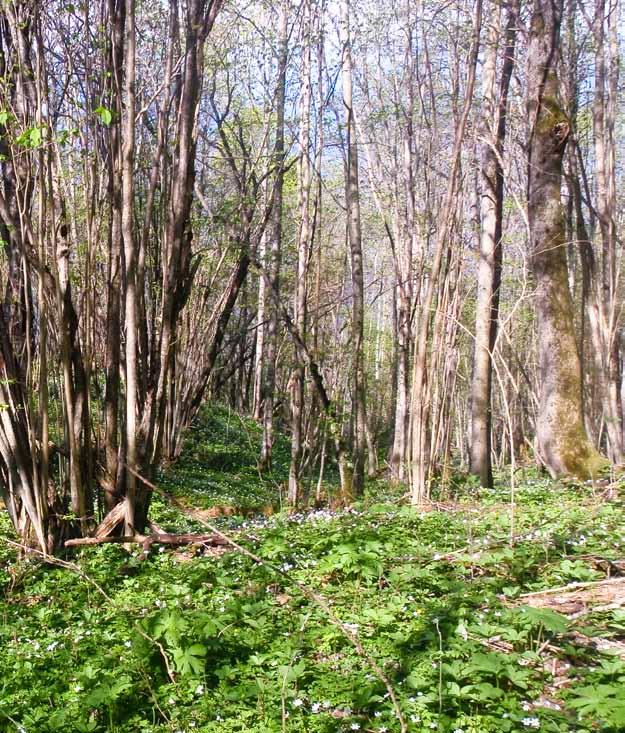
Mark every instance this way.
x=602 y=702
x=224 y=644
x=104 y=115
x=218 y=468
x=32 y=137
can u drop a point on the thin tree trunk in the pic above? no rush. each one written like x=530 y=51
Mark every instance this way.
x=130 y=264
x=489 y=268
x=352 y=201
x=303 y=248
x=260 y=353
x=274 y=247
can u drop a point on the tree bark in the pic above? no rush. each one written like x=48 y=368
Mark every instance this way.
x=303 y=248
x=563 y=444
x=274 y=246
x=603 y=116
x=354 y=232
x=489 y=267
x=130 y=263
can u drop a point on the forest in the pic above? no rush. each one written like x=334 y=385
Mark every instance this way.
x=312 y=358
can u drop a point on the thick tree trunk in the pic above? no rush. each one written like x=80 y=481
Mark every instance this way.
x=563 y=445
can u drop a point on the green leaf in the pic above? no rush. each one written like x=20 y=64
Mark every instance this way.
x=190 y=662
x=35 y=137
x=483 y=691
x=105 y=115
x=32 y=137
x=491 y=663
x=552 y=621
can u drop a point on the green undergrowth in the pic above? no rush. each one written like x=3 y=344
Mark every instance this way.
x=194 y=642
x=218 y=467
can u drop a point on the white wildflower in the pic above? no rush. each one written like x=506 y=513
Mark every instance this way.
x=531 y=722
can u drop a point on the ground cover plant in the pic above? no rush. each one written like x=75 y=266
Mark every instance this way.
x=302 y=304
x=188 y=641
x=218 y=468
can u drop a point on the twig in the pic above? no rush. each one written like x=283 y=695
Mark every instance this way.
x=573 y=586
x=596 y=609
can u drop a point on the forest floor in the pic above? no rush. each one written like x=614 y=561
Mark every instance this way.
x=380 y=618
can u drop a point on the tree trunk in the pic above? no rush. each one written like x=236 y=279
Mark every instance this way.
x=303 y=248
x=274 y=246
x=603 y=115
x=563 y=444
x=489 y=267
x=130 y=264
x=352 y=201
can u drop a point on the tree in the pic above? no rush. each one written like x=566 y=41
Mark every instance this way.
x=563 y=444
x=606 y=308
x=354 y=238
x=51 y=186
x=304 y=239
x=492 y=138
x=419 y=416
x=274 y=246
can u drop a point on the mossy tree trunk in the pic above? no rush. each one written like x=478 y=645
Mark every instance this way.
x=563 y=444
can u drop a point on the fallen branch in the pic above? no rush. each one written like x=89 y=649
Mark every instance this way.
x=112 y=519
x=610 y=646
x=151 y=539
x=570 y=587
x=578 y=599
